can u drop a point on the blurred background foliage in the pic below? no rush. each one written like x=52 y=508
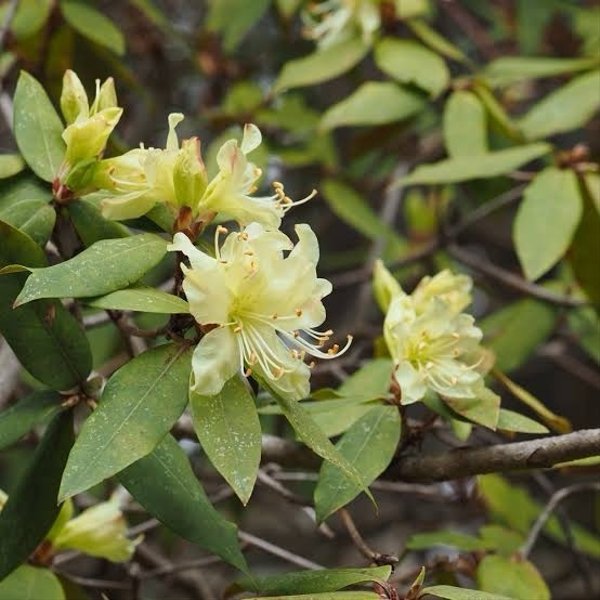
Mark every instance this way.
x=488 y=94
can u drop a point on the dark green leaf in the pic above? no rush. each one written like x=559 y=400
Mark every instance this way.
x=465 y=125
x=141 y=299
x=229 y=431
x=91 y=226
x=31 y=507
x=105 y=266
x=165 y=485
x=139 y=405
x=31 y=583
x=20 y=418
x=369 y=446
x=92 y=24
x=373 y=103
x=38 y=128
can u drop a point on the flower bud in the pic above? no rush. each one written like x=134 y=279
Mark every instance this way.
x=189 y=174
x=385 y=286
x=73 y=100
x=106 y=96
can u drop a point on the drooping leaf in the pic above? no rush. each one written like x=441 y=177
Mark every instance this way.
x=91 y=226
x=139 y=405
x=499 y=118
x=462 y=541
x=229 y=431
x=450 y=592
x=105 y=266
x=306 y=582
x=465 y=125
x=512 y=577
x=546 y=220
x=31 y=583
x=409 y=62
x=141 y=299
x=569 y=107
x=369 y=446
x=94 y=25
x=483 y=410
x=31 y=507
x=21 y=417
x=435 y=41
x=373 y=103
x=55 y=349
x=514 y=333
x=483 y=166
x=165 y=485
x=321 y=66
x=38 y=128
x=10 y=164
x=508 y=420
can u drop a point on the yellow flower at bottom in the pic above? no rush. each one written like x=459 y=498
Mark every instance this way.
x=259 y=307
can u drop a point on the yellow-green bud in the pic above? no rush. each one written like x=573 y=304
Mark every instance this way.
x=73 y=100
x=385 y=286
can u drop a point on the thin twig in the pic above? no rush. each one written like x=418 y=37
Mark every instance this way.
x=550 y=507
x=182 y=566
x=96 y=583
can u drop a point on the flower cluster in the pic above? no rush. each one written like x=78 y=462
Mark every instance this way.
x=435 y=346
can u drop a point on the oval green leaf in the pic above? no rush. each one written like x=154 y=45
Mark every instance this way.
x=91 y=226
x=165 y=485
x=38 y=128
x=449 y=592
x=139 y=405
x=31 y=583
x=508 y=420
x=141 y=299
x=229 y=431
x=10 y=164
x=105 y=266
x=465 y=125
x=369 y=446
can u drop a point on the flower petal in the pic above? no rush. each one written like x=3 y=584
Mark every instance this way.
x=252 y=138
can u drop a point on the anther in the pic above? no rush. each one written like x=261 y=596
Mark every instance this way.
x=248 y=372
x=298 y=312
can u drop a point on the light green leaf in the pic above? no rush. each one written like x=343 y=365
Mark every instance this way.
x=10 y=164
x=483 y=410
x=372 y=380
x=435 y=41
x=465 y=125
x=165 y=485
x=546 y=220
x=91 y=226
x=373 y=103
x=410 y=62
x=38 y=128
x=497 y=113
x=509 y=420
x=139 y=405
x=584 y=323
x=31 y=583
x=449 y=592
x=369 y=446
x=92 y=24
x=504 y=541
x=105 y=266
x=21 y=417
x=229 y=431
x=513 y=577
x=515 y=332
x=325 y=596
x=31 y=507
x=305 y=582
x=353 y=209
x=484 y=166
x=509 y=69
x=141 y=299
x=321 y=65
x=462 y=541
x=569 y=107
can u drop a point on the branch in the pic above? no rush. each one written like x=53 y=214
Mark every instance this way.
x=534 y=454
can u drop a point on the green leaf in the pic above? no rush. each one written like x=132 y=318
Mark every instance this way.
x=234 y=18
x=10 y=164
x=509 y=420
x=31 y=583
x=584 y=323
x=165 y=485
x=465 y=125
x=139 y=405
x=229 y=431
x=435 y=41
x=105 y=266
x=547 y=220
x=310 y=433
x=31 y=507
x=93 y=25
x=30 y=17
x=510 y=69
x=369 y=446
x=497 y=113
x=410 y=62
x=515 y=332
x=353 y=209
x=55 y=349
x=372 y=380
x=305 y=582
x=483 y=410
x=326 y=596
x=21 y=417
x=321 y=66
x=91 y=226
x=513 y=577
x=141 y=299
x=484 y=166
x=449 y=592
x=373 y=103
x=502 y=540
x=462 y=541
x=38 y=128
x=568 y=108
